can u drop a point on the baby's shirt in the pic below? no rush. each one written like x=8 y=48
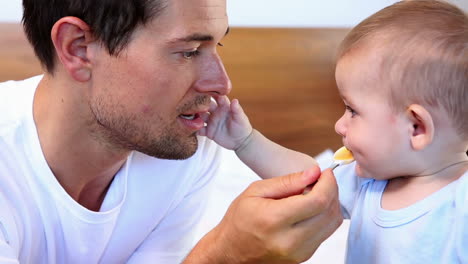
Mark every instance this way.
x=433 y=230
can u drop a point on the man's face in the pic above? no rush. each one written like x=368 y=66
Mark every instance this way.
x=151 y=96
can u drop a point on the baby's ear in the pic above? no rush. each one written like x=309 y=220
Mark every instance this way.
x=422 y=130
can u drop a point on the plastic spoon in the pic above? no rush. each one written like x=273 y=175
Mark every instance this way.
x=341 y=157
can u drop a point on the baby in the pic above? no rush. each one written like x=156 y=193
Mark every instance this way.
x=403 y=76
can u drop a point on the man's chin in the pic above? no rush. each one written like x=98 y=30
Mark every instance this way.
x=173 y=149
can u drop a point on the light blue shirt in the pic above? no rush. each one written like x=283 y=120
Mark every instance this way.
x=433 y=230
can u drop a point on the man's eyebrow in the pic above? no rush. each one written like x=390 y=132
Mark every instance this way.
x=193 y=37
x=196 y=37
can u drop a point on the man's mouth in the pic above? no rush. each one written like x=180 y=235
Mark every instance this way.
x=189 y=117
x=192 y=121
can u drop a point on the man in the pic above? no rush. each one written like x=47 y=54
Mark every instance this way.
x=99 y=157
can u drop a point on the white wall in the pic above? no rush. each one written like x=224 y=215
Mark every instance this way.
x=292 y=13
x=303 y=13
x=10 y=10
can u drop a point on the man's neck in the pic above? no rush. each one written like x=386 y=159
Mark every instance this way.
x=84 y=167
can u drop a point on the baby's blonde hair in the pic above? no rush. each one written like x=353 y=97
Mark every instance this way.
x=424 y=57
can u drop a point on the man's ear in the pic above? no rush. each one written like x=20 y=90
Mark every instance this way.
x=422 y=130
x=71 y=37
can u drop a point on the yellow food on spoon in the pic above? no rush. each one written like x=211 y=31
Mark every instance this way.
x=341 y=157
x=343 y=154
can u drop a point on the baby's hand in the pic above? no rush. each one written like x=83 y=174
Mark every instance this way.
x=227 y=123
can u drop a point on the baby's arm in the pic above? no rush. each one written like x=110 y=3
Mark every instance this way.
x=269 y=159
x=229 y=126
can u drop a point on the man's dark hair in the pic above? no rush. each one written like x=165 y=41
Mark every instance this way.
x=112 y=22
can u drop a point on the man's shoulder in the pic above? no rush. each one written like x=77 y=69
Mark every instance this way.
x=16 y=98
x=14 y=191
x=15 y=104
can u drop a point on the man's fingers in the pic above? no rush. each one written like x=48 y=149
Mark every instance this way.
x=329 y=219
x=302 y=207
x=326 y=219
x=325 y=186
x=313 y=232
x=323 y=197
x=284 y=186
x=280 y=222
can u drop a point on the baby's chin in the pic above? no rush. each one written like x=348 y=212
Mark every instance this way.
x=360 y=172
x=365 y=173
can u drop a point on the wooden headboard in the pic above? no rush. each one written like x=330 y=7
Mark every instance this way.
x=283 y=77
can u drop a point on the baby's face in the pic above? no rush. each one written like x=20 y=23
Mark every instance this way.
x=369 y=128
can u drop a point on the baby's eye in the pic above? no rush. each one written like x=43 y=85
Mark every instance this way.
x=351 y=110
x=190 y=54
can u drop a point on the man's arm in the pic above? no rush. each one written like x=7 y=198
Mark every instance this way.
x=273 y=222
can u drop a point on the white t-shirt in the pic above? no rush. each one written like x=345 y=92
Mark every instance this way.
x=148 y=216
x=433 y=230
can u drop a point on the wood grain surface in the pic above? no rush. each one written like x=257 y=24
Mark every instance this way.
x=17 y=60
x=283 y=77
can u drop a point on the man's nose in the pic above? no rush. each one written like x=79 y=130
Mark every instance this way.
x=213 y=78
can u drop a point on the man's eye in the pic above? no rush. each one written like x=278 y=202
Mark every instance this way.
x=353 y=113
x=190 y=54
